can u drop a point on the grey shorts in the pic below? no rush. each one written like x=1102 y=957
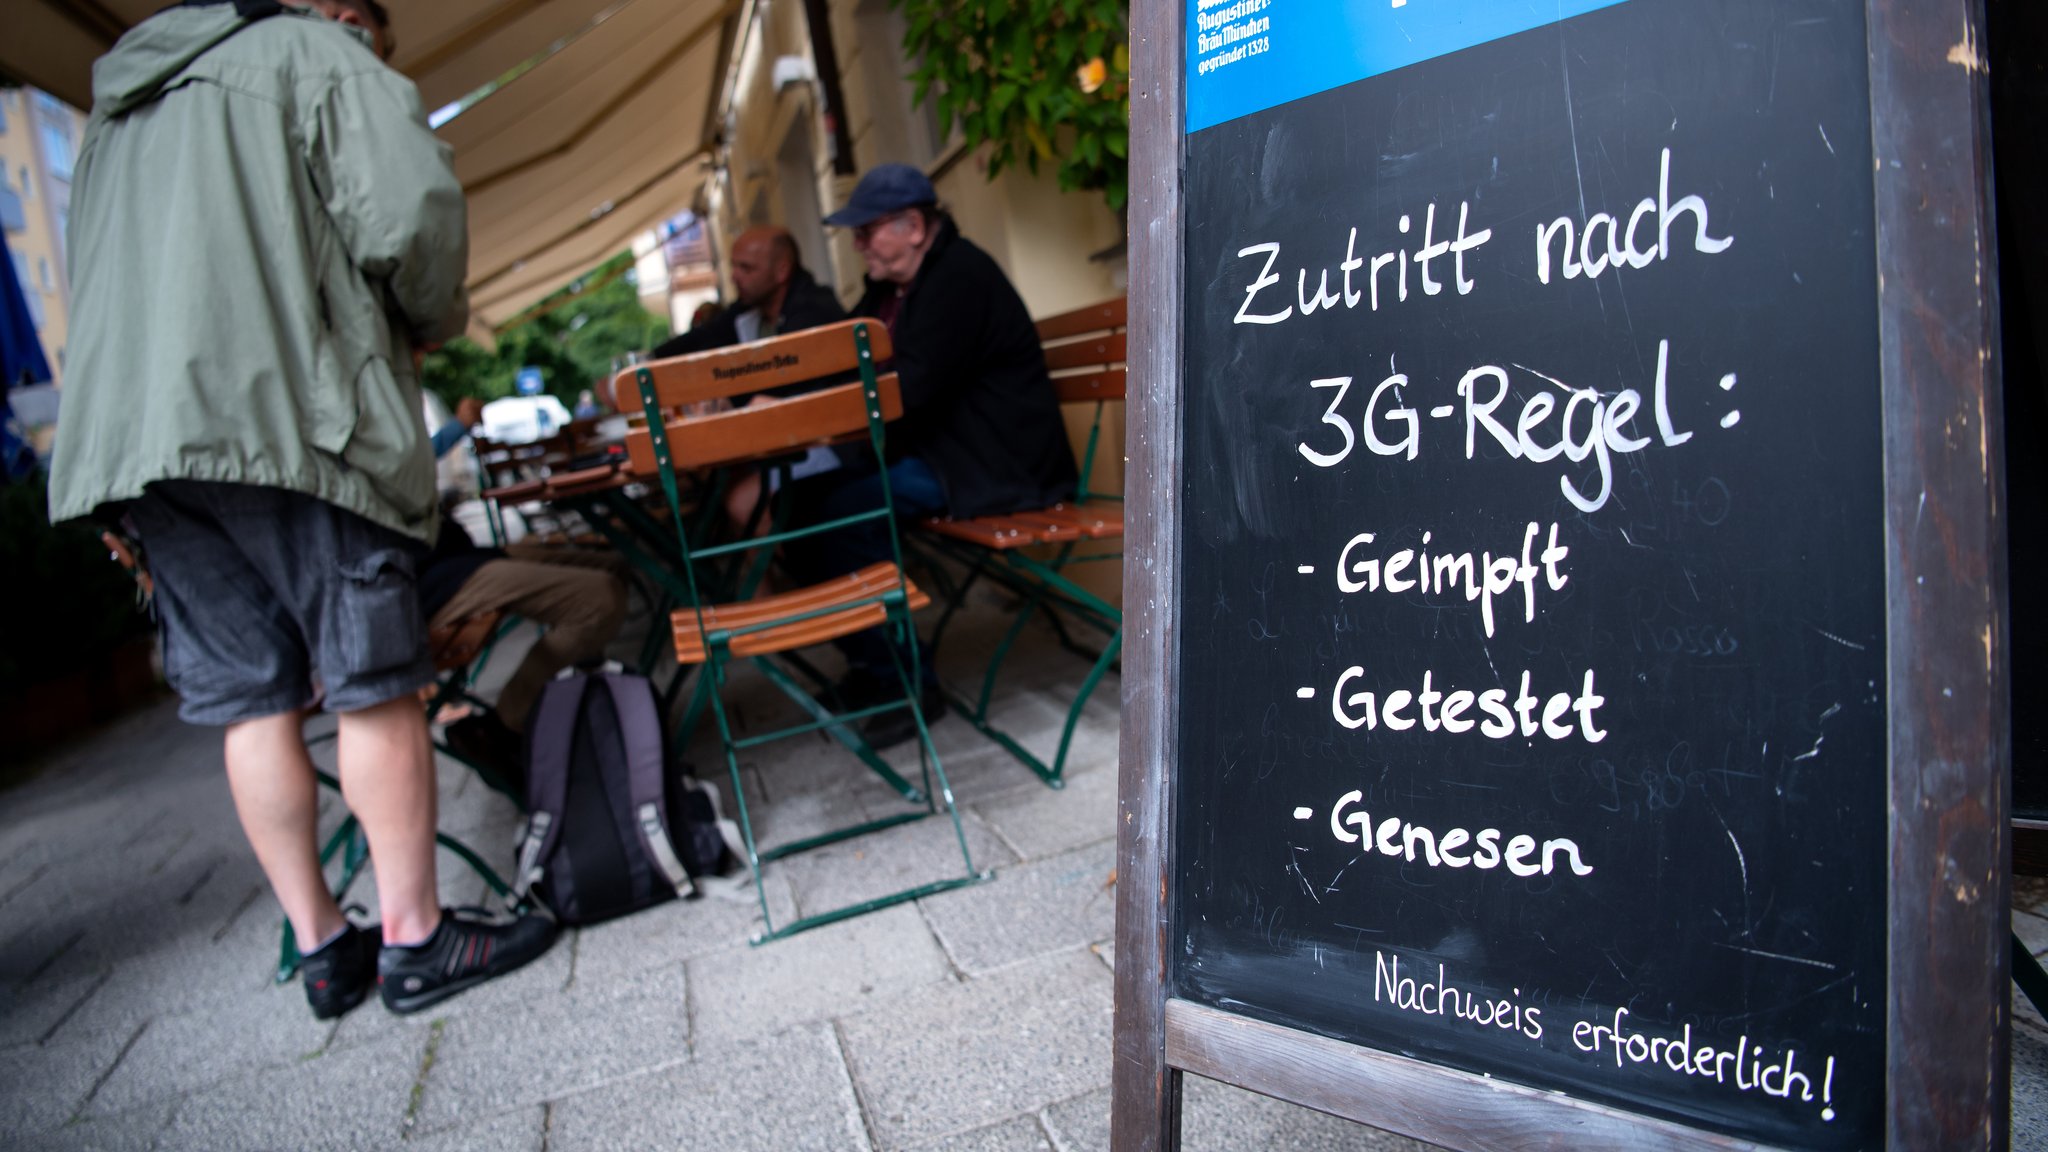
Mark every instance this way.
x=261 y=590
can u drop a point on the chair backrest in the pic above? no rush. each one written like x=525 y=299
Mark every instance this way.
x=1084 y=350
x=722 y=373
x=832 y=413
x=817 y=417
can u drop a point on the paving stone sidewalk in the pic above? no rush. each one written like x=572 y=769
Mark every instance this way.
x=137 y=942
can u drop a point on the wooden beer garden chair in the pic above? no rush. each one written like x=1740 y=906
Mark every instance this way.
x=1033 y=553
x=770 y=632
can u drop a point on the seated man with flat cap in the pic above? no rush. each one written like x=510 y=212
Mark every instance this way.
x=981 y=432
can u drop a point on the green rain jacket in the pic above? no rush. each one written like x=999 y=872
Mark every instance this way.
x=262 y=229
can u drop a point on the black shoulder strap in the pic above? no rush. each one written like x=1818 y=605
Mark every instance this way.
x=249 y=10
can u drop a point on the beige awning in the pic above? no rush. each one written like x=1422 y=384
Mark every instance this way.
x=563 y=164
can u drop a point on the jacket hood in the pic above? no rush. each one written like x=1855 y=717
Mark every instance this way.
x=156 y=52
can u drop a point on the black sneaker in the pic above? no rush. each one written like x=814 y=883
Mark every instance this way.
x=466 y=949
x=484 y=741
x=859 y=689
x=338 y=974
x=892 y=728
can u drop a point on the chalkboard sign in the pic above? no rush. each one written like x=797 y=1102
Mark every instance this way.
x=1534 y=535
x=1534 y=655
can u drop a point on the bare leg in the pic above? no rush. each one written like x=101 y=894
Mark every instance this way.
x=743 y=501
x=276 y=796
x=387 y=777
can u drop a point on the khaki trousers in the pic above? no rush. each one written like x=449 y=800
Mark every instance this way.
x=580 y=606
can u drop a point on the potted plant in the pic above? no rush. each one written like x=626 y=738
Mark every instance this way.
x=75 y=649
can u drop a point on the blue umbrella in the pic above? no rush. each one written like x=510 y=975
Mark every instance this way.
x=21 y=350
x=21 y=362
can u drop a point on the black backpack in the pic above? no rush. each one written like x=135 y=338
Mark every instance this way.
x=610 y=830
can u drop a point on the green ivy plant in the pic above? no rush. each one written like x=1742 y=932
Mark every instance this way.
x=1036 y=80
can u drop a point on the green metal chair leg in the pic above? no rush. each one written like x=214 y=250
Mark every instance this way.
x=818 y=920
x=841 y=729
x=348 y=833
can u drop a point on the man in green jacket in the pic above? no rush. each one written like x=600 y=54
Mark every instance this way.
x=263 y=229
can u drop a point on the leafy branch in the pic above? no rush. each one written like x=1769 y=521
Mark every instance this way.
x=1037 y=80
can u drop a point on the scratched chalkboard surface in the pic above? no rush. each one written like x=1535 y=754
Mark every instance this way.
x=1532 y=647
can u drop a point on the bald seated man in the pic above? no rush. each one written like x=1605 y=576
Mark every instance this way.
x=367 y=15
x=776 y=295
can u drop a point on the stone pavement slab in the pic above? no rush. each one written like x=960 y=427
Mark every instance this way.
x=1037 y=821
x=520 y=1130
x=902 y=857
x=1023 y=1134
x=138 y=1131
x=726 y=917
x=178 y=1053
x=2032 y=931
x=1082 y=1123
x=195 y=974
x=1036 y=909
x=2030 y=1082
x=489 y=1062
x=350 y=1099
x=785 y=1093
x=838 y=970
x=47 y=1085
x=30 y=1013
x=944 y=1063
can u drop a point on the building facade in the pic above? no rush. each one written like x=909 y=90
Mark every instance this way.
x=39 y=137
x=779 y=163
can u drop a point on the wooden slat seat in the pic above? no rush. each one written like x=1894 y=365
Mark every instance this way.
x=855 y=590
x=517 y=493
x=1058 y=524
x=563 y=482
x=597 y=479
x=1094 y=519
x=1084 y=353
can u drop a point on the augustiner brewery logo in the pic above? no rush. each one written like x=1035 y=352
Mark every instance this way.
x=770 y=364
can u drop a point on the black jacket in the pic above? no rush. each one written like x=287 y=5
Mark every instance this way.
x=807 y=304
x=978 y=405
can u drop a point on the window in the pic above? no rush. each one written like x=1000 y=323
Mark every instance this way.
x=5 y=100
x=53 y=125
x=56 y=149
x=28 y=186
x=43 y=273
x=12 y=217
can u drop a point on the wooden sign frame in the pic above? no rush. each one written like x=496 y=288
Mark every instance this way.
x=1948 y=742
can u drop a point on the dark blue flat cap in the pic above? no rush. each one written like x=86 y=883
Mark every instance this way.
x=886 y=188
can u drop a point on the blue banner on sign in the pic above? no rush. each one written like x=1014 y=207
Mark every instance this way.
x=528 y=382
x=1244 y=56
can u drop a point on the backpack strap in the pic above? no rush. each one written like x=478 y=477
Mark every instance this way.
x=640 y=727
x=551 y=734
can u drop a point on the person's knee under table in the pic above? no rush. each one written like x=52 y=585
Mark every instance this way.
x=580 y=608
